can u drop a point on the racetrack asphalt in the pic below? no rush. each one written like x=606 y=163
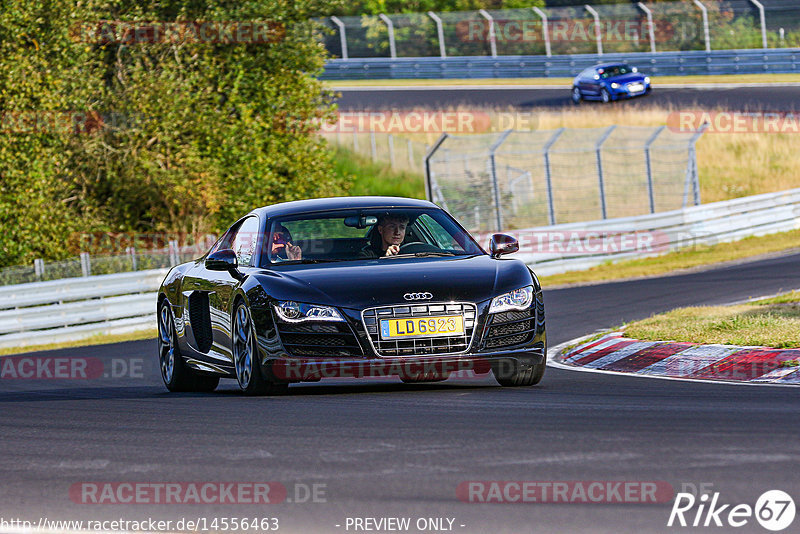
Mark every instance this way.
x=386 y=449
x=747 y=98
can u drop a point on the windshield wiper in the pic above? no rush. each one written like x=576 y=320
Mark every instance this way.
x=419 y=255
x=442 y=253
x=309 y=261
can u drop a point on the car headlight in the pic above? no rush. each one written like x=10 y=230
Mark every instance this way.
x=296 y=312
x=647 y=79
x=615 y=85
x=519 y=299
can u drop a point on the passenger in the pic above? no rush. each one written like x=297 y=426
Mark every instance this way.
x=387 y=237
x=282 y=248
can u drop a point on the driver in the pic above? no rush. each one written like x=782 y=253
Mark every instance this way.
x=391 y=228
x=281 y=247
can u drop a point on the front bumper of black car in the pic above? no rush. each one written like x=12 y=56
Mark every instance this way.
x=353 y=348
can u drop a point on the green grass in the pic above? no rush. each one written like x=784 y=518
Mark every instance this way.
x=772 y=323
x=371 y=178
x=687 y=80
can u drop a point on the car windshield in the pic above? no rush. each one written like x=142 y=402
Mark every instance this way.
x=348 y=235
x=615 y=70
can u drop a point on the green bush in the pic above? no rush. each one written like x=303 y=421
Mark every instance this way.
x=202 y=132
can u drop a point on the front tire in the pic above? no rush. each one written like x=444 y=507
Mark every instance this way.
x=174 y=371
x=509 y=373
x=245 y=357
x=576 y=96
x=605 y=96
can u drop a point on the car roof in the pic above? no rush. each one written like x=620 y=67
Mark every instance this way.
x=607 y=65
x=335 y=203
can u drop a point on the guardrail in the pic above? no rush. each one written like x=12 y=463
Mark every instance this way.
x=578 y=246
x=781 y=60
x=70 y=309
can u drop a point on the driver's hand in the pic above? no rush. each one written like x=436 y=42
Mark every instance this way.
x=293 y=252
x=393 y=250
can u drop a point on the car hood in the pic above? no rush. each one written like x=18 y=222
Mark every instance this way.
x=627 y=78
x=365 y=283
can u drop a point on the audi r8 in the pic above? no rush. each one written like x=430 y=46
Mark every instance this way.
x=358 y=286
x=609 y=81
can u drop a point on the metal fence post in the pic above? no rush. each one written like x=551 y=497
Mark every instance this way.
x=548 y=179
x=693 y=162
x=650 y=188
x=86 y=264
x=763 y=21
x=355 y=140
x=390 y=30
x=390 y=140
x=439 y=32
x=373 y=146
x=598 y=153
x=173 y=253
x=492 y=35
x=705 y=24
x=410 y=146
x=651 y=30
x=426 y=164
x=545 y=32
x=598 y=30
x=134 y=262
x=495 y=184
x=342 y=35
x=38 y=268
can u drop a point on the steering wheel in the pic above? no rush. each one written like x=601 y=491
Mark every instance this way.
x=417 y=246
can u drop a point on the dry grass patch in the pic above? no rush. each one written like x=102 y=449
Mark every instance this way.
x=764 y=323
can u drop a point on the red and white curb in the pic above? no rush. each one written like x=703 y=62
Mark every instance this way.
x=614 y=353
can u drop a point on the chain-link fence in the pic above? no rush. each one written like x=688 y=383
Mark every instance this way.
x=578 y=29
x=523 y=179
x=400 y=152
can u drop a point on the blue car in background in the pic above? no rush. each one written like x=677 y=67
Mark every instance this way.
x=610 y=81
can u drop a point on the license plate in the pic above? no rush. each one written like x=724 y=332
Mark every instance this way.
x=445 y=325
x=636 y=88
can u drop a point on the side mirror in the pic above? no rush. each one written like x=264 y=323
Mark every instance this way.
x=502 y=244
x=222 y=260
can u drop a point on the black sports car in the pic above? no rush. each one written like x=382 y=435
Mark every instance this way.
x=359 y=286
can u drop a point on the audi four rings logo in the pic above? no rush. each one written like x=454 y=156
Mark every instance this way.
x=418 y=296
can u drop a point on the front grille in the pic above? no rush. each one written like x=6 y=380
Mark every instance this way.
x=510 y=328
x=321 y=339
x=422 y=345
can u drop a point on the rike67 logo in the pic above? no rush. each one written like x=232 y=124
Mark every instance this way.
x=774 y=510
